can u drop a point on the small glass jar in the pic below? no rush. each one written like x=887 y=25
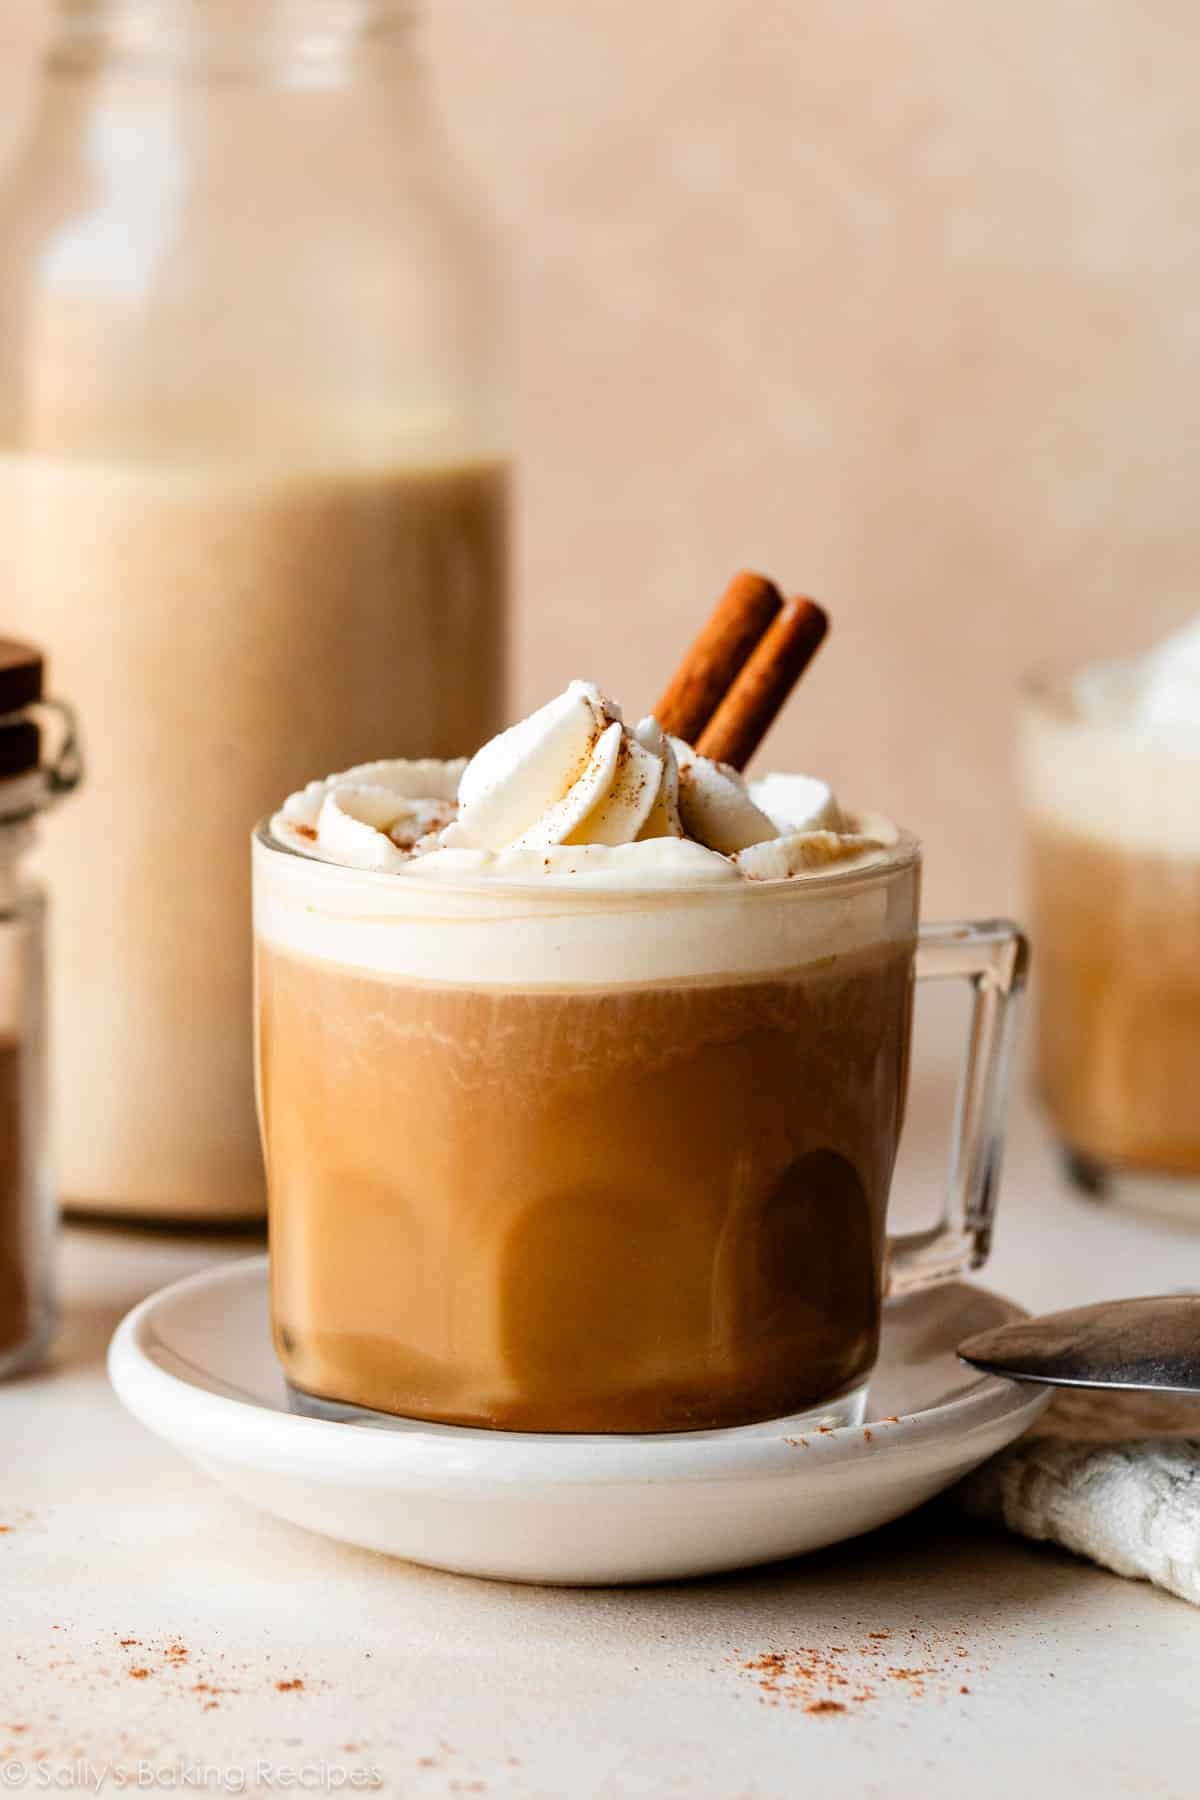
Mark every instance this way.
x=27 y=1197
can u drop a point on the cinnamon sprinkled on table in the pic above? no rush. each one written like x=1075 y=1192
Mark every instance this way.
x=842 y=1678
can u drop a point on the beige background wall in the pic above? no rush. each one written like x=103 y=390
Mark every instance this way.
x=897 y=299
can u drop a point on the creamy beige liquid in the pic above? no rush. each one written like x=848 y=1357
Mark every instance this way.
x=604 y=1209
x=1117 y=934
x=223 y=634
x=16 y=1311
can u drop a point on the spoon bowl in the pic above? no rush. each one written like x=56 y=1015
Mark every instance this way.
x=1151 y=1344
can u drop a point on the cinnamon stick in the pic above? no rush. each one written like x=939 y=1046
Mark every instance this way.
x=723 y=648
x=746 y=713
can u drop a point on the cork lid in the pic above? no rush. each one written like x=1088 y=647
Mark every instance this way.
x=22 y=673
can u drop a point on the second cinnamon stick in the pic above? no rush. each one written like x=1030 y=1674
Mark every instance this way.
x=746 y=713
x=695 y=691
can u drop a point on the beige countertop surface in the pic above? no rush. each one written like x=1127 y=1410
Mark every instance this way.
x=159 y=1633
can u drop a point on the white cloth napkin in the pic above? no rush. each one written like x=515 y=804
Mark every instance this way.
x=1113 y=1477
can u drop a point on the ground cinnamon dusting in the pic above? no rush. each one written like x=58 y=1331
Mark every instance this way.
x=189 y=1674
x=841 y=1678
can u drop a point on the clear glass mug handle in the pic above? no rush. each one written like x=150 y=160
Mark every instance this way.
x=993 y=956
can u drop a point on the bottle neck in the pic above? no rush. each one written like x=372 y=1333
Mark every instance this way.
x=298 y=42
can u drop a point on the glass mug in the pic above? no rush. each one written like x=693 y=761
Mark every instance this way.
x=604 y=1160
x=1112 y=818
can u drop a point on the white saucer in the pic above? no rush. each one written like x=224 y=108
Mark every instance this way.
x=194 y=1363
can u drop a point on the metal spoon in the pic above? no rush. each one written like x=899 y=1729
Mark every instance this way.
x=1152 y=1343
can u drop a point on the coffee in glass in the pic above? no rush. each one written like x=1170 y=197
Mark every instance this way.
x=1112 y=783
x=581 y=1073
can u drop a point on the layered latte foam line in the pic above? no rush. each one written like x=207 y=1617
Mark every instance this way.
x=559 y=936
x=1112 y=752
x=1095 y=777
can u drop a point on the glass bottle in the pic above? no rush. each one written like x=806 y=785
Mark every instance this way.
x=253 y=457
x=28 y=784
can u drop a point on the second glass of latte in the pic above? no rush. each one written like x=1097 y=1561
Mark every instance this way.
x=582 y=1067
x=1111 y=761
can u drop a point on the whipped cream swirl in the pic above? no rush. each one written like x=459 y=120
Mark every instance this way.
x=1158 y=693
x=574 y=792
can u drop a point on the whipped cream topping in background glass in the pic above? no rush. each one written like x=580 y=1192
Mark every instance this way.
x=574 y=793
x=1113 y=751
x=1157 y=693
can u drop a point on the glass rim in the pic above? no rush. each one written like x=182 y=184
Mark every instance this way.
x=904 y=854
x=1045 y=693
